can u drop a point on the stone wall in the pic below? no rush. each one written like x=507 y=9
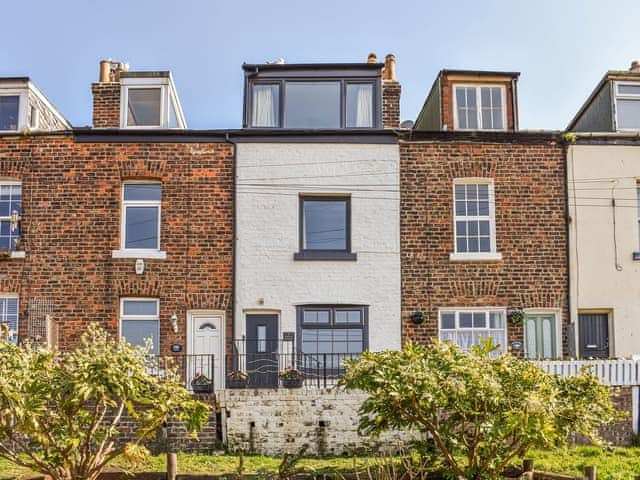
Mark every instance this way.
x=274 y=422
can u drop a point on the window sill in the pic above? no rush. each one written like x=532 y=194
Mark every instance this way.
x=325 y=255
x=475 y=257
x=152 y=254
x=18 y=254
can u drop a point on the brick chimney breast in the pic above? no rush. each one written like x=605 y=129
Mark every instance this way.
x=391 y=90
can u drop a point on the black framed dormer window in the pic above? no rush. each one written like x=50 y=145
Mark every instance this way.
x=313 y=97
x=325 y=228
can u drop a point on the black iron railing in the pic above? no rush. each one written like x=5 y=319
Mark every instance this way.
x=186 y=366
x=263 y=369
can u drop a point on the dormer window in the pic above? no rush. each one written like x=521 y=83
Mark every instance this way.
x=149 y=102
x=9 y=112
x=479 y=107
x=628 y=106
x=301 y=96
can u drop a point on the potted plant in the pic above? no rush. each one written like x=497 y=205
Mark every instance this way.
x=201 y=383
x=237 y=379
x=291 y=377
x=516 y=315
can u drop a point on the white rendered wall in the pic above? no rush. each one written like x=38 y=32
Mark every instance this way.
x=267 y=277
x=600 y=280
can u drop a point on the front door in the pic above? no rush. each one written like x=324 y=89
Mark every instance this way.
x=540 y=336
x=206 y=347
x=262 y=350
x=594 y=335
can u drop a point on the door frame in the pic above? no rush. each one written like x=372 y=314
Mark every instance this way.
x=557 y=315
x=220 y=358
x=603 y=311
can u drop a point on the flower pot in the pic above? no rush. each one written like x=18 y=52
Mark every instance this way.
x=236 y=383
x=292 y=382
x=202 y=387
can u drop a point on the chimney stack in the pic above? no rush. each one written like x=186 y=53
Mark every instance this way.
x=635 y=66
x=106 y=95
x=389 y=70
x=390 y=94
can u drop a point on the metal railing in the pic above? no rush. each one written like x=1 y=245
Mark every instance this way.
x=186 y=366
x=614 y=372
x=318 y=370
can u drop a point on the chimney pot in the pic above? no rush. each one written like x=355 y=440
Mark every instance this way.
x=105 y=71
x=389 y=71
x=635 y=66
x=110 y=70
x=372 y=58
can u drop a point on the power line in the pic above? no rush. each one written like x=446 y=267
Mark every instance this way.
x=297 y=195
x=368 y=174
x=341 y=162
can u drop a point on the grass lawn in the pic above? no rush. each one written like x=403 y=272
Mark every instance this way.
x=612 y=463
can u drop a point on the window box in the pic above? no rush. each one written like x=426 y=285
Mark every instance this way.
x=202 y=388
x=292 y=382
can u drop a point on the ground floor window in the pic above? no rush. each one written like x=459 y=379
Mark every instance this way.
x=139 y=321
x=9 y=318
x=466 y=327
x=329 y=334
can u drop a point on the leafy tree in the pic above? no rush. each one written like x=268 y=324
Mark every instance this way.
x=59 y=412
x=480 y=410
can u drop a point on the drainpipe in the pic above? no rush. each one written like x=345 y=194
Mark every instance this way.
x=514 y=103
x=571 y=340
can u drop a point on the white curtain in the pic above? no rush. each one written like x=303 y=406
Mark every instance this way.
x=364 y=110
x=264 y=106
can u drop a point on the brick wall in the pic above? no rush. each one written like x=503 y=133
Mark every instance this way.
x=528 y=175
x=391 y=90
x=106 y=104
x=71 y=225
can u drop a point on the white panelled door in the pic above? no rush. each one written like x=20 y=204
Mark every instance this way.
x=205 y=346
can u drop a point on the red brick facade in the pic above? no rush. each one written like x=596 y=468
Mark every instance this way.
x=391 y=104
x=71 y=224
x=528 y=175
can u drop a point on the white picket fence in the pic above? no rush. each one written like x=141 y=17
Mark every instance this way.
x=622 y=372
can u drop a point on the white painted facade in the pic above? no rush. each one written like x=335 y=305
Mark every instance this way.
x=270 y=179
x=603 y=238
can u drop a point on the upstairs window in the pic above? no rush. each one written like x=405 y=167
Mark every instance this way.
x=325 y=228
x=628 y=106
x=9 y=112
x=474 y=220
x=10 y=213
x=314 y=104
x=141 y=216
x=149 y=102
x=479 y=108
x=144 y=107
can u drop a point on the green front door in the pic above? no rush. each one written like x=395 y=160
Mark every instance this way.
x=540 y=336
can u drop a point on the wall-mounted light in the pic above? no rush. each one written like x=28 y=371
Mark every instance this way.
x=139 y=266
x=174 y=322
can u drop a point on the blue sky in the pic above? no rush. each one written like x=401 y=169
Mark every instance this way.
x=562 y=48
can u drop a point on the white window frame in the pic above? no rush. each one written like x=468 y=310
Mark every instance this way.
x=479 y=106
x=154 y=253
x=7 y=181
x=458 y=310
x=122 y=317
x=493 y=254
x=624 y=96
x=167 y=98
x=23 y=103
x=11 y=296
x=557 y=318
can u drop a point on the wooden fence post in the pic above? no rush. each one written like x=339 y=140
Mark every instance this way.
x=172 y=465
x=590 y=472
